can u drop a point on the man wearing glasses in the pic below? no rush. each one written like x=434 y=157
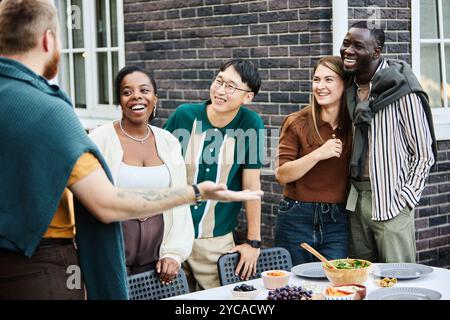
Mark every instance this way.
x=221 y=141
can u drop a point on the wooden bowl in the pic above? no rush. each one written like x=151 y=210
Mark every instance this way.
x=347 y=276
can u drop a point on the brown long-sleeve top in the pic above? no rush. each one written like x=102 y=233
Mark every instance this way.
x=327 y=181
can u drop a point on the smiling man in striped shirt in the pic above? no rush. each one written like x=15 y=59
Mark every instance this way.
x=393 y=149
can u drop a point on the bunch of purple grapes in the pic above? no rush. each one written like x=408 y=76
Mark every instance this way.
x=290 y=293
x=244 y=287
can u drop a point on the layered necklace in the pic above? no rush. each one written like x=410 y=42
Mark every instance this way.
x=133 y=138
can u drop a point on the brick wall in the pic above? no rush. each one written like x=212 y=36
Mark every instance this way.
x=394 y=17
x=185 y=41
x=433 y=213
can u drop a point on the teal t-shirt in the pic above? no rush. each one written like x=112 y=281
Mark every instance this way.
x=219 y=155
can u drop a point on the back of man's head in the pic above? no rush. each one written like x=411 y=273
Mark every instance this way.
x=248 y=72
x=377 y=33
x=22 y=22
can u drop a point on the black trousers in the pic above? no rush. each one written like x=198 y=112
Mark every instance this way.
x=47 y=275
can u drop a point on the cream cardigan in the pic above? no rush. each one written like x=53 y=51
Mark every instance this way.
x=178 y=236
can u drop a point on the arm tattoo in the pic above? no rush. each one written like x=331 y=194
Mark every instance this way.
x=153 y=194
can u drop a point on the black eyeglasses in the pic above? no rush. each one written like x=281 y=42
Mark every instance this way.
x=229 y=89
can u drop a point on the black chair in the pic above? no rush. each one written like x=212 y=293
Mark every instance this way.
x=146 y=286
x=270 y=259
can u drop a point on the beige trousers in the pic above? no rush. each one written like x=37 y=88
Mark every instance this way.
x=201 y=267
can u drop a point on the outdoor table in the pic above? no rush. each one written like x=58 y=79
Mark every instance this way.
x=438 y=280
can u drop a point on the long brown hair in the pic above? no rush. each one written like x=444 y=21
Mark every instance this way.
x=312 y=112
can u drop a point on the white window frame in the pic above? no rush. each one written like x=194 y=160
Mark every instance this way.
x=441 y=116
x=340 y=24
x=96 y=114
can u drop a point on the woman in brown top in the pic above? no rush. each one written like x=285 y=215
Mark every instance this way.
x=314 y=155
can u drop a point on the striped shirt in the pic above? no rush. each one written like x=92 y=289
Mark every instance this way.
x=401 y=155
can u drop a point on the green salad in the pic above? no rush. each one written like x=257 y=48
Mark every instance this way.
x=355 y=264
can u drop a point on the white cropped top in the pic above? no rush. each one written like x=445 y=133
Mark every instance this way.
x=132 y=177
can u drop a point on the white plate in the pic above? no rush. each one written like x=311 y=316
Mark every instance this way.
x=404 y=293
x=309 y=270
x=401 y=270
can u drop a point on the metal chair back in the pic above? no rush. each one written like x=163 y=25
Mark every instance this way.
x=146 y=286
x=276 y=258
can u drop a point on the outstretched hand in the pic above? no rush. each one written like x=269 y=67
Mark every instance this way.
x=220 y=192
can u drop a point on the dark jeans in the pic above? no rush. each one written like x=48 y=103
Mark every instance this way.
x=321 y=225
x=43 y=276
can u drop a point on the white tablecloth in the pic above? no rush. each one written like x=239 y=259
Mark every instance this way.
x=438 y=280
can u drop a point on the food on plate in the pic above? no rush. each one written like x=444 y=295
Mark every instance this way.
x=244 y=288
x=348 y=271
x=244 y=292
x=290 y=293
x=276 y=274
x=273 y=279
x=386 y=282
x=339 y=292
x=359 y=289
x=345 y=292
x=349 y=264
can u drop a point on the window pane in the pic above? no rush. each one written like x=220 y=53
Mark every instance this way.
x=101 y=24
x=428 y=19
x=115 y=70
x=430 y=66
x=64 y=73
x=77 y=24
x=62 y=17
x=80 y=80
x=102 y=62
x=113 y=15
x=446 y=17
